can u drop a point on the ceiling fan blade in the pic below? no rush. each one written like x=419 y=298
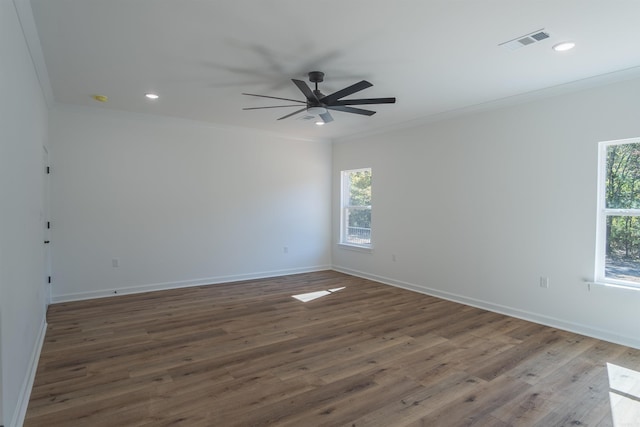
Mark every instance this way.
x=272 y=106
x=351 y=110
x=305 y=89
x=326 y=117
x=365 y=101
x=275 y=97
x=330 y=99
x=294 y=113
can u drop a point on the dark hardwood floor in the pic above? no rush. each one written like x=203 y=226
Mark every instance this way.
x=248 y=354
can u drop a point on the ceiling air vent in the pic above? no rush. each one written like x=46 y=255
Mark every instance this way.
x=540 y=36
x=525 y=40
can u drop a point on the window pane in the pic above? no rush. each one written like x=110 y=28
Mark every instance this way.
x=360 y=188
x=623 y=248
x=623 y=176
x=358 y=226
x=355 y=206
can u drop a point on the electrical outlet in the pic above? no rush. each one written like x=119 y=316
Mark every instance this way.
x=115 y=262
x=544 y=282
x=393 y=258
x=285 y=249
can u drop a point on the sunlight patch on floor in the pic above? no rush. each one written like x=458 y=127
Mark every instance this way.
x=624 y=395
x=315 y=295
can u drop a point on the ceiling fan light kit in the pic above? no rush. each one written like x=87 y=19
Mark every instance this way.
x=317 y=103
x=316 y=110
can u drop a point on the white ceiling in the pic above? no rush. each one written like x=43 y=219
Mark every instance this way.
x=435 y=56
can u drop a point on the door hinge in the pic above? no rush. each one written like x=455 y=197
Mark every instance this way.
x=48 y=225
x=48 y=170
x=49 y=279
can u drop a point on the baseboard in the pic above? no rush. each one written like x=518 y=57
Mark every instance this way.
x=497 y=308
x=184 y=284
x=27 y=385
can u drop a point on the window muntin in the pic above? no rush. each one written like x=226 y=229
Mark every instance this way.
x=618 y=243
x=355 y=208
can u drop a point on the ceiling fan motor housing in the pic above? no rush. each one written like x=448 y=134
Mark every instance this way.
x=318 y=95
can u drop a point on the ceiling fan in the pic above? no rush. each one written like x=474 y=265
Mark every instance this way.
x=318 y=103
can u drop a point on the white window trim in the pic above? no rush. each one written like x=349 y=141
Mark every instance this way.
x=356 y=248
x=344 y=205
x=602 y=214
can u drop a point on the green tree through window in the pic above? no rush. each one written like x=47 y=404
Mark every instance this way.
x=621 y=211
x=356 y=207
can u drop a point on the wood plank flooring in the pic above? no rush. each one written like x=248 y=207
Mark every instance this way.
x=248 y=354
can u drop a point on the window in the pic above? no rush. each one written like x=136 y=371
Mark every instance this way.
x=618 y=238
x=355 y=208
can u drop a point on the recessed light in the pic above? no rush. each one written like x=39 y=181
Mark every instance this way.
x=564 y=46
x=100 y=98
x=151 y=95
x=319 y=123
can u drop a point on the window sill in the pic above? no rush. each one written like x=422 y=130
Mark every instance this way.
x=356 y=248
x=613 y=285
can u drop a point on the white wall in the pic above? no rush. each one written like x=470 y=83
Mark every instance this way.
x=478 y=208
x=180 y=203
x=23 y=128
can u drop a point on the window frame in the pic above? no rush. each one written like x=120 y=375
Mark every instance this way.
x=345 y=197
x=603 y=212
